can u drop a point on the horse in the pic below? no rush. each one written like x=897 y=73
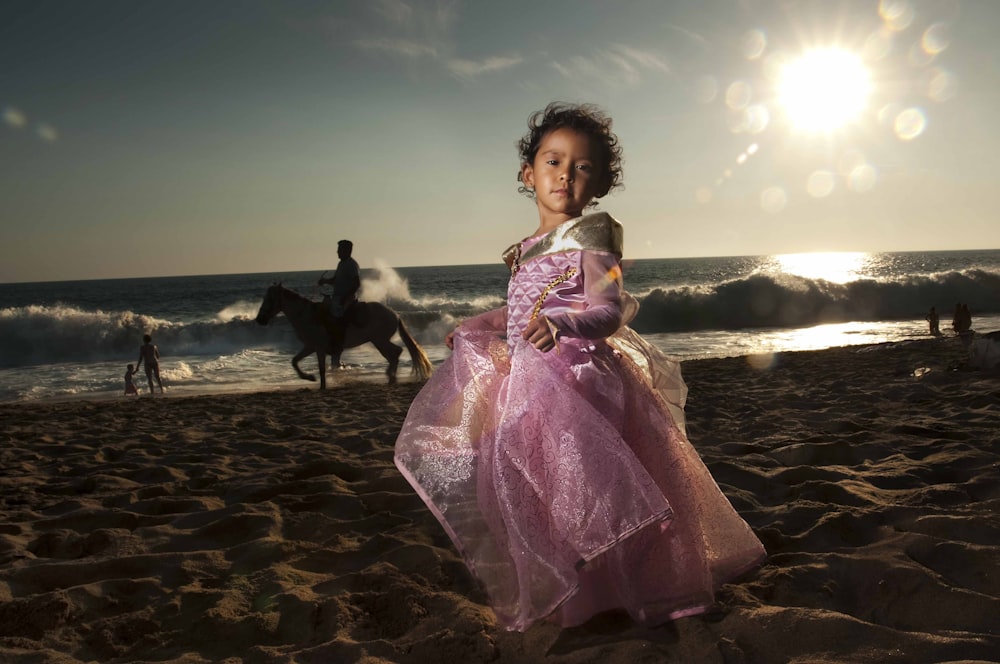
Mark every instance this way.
x=366 y=322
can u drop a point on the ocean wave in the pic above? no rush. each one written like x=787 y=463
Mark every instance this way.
x=38 y=334
x=47 y=334
x=789 y=301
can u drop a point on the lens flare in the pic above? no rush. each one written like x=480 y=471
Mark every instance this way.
x=738 y=95
x=862 y=178
x=47 y=133
x=754 y=43
x=909 y=124
x=897 y=14
x=773 y=200
x=820 y=184
x=936 y=38
x=14 y=118
x=942 y=85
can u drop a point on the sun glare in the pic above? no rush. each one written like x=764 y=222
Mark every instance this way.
x=824 y=90
x=837 y=267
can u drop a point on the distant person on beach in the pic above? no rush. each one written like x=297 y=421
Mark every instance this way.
x=346 y=282
x=130 y=387
x=551 y=443
x=934 y=322
x=966 y=318
x=962 y=320
x=150 y=354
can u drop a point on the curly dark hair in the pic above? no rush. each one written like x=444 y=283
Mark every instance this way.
x=585 y=118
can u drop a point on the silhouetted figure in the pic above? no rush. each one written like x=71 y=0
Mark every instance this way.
x=956 y=319
x=965 y=319
x=346 y=282
x=151 y=355
x=934 y=322
x=130 y=387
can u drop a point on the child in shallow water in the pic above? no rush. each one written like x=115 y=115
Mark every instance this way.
x=130 y=387
x=551 y=443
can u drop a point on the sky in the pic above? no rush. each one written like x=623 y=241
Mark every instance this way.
x=189 y=137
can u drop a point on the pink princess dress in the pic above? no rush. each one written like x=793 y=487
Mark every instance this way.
x=565 y=479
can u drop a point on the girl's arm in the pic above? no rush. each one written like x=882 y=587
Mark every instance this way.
x=602 y=279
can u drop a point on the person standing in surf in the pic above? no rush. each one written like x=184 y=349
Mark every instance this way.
x=150 y=354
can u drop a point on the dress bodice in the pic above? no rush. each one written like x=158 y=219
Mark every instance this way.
x=572 y=275
x=553 y=283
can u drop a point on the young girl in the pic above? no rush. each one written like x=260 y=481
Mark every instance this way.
x=130 y=381
x=551 y=444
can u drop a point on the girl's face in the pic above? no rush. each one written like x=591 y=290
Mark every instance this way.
x=564 y=174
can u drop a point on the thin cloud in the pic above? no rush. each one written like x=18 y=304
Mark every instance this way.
x=644 y=59
x=579 y=67
x=563 y=70
x=626 y=69
x=470 y=69
x=614 y=65
x=424 y=30
x=422 y=22
x=693 y=36
x=444 y=15
x=394 y=10
x=404 y=47
x=411 y=30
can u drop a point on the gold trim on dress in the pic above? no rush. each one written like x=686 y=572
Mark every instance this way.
x=570 y=271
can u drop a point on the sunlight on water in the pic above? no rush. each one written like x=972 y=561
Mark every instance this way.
x=837 y=267
x=840 y=334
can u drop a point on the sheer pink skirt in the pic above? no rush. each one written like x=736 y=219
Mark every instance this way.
x=567 y=483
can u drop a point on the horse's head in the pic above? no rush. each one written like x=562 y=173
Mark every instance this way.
x=271 y=305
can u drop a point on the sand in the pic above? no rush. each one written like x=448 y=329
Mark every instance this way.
x=273 y=527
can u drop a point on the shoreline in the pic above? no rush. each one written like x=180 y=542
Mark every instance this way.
x=272 y=526
x=291 y=384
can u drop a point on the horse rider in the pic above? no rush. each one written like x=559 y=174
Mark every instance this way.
x=346 y=282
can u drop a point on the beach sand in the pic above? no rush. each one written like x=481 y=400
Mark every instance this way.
x=273 y=527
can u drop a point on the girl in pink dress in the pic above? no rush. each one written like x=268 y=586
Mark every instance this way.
x=551 y=443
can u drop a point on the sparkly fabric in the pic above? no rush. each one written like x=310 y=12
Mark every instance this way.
x=565 y=478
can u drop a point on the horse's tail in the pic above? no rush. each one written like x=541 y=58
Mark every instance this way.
x=421 y=365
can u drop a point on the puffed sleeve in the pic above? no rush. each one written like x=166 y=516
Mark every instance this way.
x=603 y=314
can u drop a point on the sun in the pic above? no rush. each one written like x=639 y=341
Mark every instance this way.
x=824 y=90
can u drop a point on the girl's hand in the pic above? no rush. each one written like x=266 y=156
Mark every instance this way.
x=539 y=334
x=449 y=340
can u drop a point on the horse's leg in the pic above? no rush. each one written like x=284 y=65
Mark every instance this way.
x=391 y=353
x=295 y=364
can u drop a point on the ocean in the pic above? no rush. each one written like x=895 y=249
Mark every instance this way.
x=73 y=339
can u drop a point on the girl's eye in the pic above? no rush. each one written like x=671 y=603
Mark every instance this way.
x=552 y=162
x=585 y=167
